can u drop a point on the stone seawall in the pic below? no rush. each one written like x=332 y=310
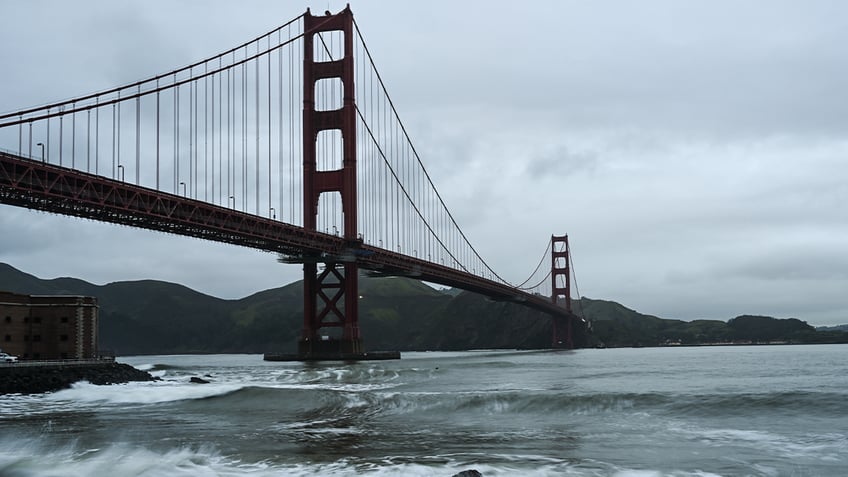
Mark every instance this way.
x=29 y=378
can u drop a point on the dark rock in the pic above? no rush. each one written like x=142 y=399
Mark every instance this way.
x=196 y=380
x=468 y=473
x=32 y=378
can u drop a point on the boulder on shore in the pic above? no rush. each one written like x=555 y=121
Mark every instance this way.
x=468 y=473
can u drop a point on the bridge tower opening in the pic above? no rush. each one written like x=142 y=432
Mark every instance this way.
x=330 y=315
x=561 y=288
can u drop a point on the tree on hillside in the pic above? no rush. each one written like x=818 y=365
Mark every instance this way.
x=766 y=328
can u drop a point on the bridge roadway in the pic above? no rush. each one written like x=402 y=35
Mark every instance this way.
x=47 y=187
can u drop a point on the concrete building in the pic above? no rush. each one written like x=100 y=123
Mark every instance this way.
x=49 y=326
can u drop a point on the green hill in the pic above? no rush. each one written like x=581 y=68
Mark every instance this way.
x=155 y=317
x=614 y=325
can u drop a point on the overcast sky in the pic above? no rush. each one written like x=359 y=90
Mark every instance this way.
x=696 y=152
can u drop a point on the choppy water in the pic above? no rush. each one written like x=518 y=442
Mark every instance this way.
x=769 y=411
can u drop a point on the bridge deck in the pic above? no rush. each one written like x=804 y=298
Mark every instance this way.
x=51 y=188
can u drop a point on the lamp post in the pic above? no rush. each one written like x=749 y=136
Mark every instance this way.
x=42 y=151
x=273 y=213
x=184 y=188
x=121 y=170
x=233 y=198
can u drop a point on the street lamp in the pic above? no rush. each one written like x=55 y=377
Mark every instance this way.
x=273 y=213
x=42 y=151
x=184 y=188
x=121 y=170
x=234 y=201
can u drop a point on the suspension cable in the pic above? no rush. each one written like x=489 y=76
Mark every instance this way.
x=543 y=280
x=153 y=79
x=545 y=255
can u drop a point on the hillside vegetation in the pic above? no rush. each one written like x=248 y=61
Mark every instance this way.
x=154 y=317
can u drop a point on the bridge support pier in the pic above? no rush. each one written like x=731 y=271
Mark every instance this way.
x=330 y=301
x=562 y=333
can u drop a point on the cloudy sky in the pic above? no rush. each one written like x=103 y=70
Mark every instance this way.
x=695 y=152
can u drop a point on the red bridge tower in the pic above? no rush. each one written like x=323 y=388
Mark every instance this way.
x=561 y=287
x=331 y=298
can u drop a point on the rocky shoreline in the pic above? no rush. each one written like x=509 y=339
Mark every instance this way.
x=31 y=379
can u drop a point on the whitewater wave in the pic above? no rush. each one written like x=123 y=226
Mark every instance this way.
x=826 y=447
x=139 y=392
x=31 y=458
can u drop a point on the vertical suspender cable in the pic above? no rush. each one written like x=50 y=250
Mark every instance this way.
x=97 y=138
x=118 y=129
x=177 y=108
x=191 y=138
x=195 y=181
x=47 y=141
x=212 y=136
x=220 y=125
x=114 y=139
x=256 y=133
x=280 y=123
x=61 y=141
x=244 y=134
x=270 y=204
x=229 y=136
x=157 y=133
x=292 y=137
x=73 y=138
x=138 y=137
x=206 y=136
x=88 y=142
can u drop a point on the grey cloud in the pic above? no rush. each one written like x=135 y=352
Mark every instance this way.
x=561 y=162
x=695 y=152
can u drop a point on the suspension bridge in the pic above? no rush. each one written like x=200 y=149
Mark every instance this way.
x=288 y=143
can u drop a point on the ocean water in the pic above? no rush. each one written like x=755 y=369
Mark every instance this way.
x=730 y=411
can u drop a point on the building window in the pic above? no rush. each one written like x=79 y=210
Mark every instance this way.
x=26 y=319
x=8 y=338
x=36 y=337
x=36 y=319
x=64 y=355
x=63 y=337
x=26 y=337
x=8 y=319
x=64 y=319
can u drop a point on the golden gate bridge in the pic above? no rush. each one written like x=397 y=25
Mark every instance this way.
x=288 y=143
